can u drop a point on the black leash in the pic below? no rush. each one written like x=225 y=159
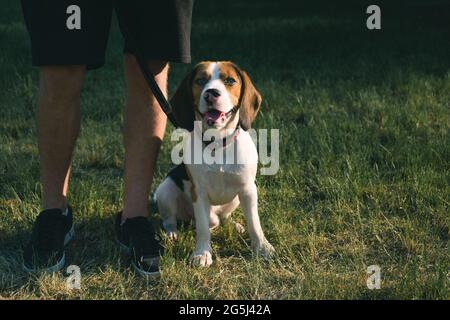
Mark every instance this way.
x=148 y=75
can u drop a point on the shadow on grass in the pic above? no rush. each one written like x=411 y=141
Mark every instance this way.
x=92 y=249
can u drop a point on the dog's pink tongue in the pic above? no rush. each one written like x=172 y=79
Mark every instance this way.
x=213 y=115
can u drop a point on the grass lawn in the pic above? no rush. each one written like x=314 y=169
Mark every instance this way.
x=364 y=119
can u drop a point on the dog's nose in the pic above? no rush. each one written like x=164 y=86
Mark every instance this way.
x=211 y=95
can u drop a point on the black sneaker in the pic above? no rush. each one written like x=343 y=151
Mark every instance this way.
x=136 y=236
x=52 y=230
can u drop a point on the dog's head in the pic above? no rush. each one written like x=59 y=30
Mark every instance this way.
x=219 y=94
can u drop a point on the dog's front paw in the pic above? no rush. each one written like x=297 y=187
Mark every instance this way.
x=265 y=249
x=201 y=259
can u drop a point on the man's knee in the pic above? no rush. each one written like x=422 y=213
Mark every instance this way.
x=61 y=83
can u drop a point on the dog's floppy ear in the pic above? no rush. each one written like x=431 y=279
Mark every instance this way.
x=249 y=102
x=183 y=104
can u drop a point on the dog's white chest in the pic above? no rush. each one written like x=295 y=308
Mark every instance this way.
x=230 y=169
x=221 y=182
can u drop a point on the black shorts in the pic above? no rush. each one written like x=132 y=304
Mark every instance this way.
x=161 y=29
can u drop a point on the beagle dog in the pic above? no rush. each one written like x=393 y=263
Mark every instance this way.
x=220 y=96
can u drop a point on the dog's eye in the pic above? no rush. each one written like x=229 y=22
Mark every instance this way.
x=201 y=81
x=229 y=81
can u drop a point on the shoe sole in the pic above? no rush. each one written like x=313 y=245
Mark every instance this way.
x=141 y=272
x=60 y=264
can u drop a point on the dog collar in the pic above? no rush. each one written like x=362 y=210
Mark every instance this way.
x=225 y=141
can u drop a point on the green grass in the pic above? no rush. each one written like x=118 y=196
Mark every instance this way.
x=364 y=119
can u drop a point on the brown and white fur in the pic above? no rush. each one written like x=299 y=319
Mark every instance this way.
x=215 y=191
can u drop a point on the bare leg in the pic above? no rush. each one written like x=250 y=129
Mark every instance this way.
x=58 y=128
x=145 y=124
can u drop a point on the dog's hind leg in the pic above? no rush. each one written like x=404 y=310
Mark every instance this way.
x=173 y=205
